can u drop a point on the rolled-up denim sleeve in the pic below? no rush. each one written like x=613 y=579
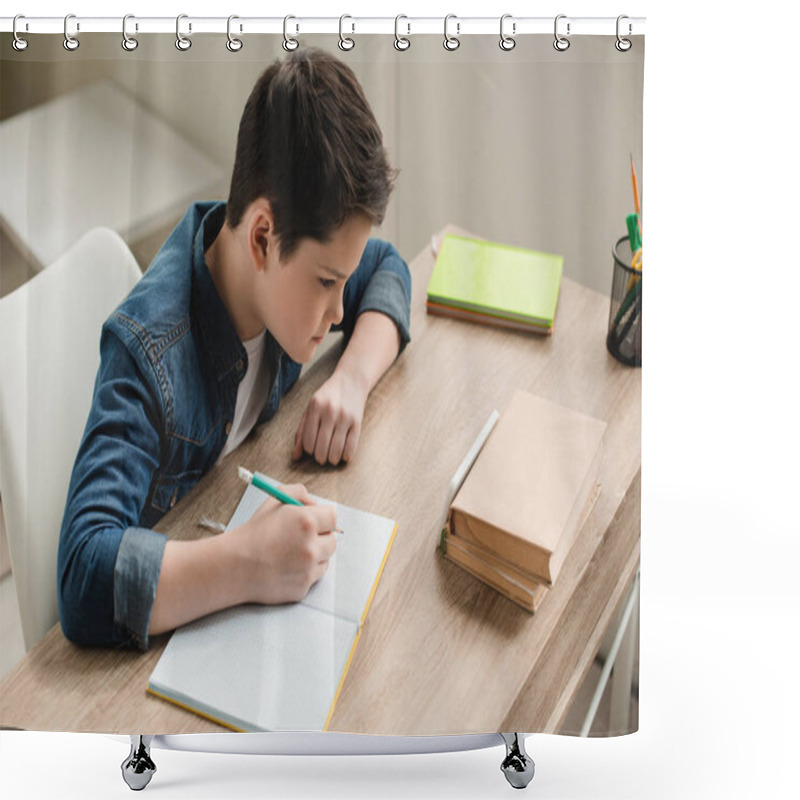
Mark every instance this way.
x=108 y=567
x=382 y=282
x=136 y=572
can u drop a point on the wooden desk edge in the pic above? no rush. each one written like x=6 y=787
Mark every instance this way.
x=624 y=531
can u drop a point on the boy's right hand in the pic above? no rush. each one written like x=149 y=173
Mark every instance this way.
x=284 y=550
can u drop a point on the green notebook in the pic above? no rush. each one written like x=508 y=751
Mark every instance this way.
x=510 y=283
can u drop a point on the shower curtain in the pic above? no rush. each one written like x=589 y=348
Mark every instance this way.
x=531 y=143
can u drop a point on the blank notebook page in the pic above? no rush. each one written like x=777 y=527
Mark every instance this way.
x=232 y=666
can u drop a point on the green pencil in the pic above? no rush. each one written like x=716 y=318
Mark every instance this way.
x=259 y=483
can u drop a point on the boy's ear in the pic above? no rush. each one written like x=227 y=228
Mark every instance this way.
x=261 y=232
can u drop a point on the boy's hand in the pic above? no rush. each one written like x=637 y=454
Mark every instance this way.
x=331 y=425
x=285 y=549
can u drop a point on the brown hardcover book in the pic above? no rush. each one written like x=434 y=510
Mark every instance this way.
x=523 y=498
x=524 y=589
x=520 y=588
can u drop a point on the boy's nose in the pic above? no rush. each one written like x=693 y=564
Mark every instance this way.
x=337 y=312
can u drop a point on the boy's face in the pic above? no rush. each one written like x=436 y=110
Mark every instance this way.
x=301 y=297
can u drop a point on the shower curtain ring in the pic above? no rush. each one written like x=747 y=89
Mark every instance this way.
x=451 y=42
x=289 y=42
x=345 y=42
x=401 y=42
x=182 y=42
x=70 y=42
x=128 y=42
x=623 y=45
x=19 y=43
x=507 y=42
x=561 y=43
x=233 y=44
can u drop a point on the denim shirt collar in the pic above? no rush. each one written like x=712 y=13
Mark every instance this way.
x=222 y=343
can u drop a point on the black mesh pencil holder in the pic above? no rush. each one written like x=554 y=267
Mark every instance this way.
x=624 y=339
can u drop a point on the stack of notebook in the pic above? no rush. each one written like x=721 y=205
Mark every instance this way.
x=495 y=284
x=531 y=489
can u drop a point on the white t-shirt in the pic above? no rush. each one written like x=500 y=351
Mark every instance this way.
x=252 y=395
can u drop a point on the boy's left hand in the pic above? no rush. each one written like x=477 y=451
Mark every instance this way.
x=331 y=425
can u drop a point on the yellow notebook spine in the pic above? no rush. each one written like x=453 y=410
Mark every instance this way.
x=361 y=625
x=194 y=711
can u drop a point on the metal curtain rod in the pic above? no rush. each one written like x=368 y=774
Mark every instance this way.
x=407 y=26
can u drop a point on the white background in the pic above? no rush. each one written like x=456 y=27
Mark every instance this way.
x=720 y=614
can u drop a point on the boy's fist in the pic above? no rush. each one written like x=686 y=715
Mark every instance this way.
x=331 y=425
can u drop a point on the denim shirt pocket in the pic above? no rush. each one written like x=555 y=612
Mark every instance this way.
x=168 y=489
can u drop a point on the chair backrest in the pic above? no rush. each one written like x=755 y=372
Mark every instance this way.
x=49 y=355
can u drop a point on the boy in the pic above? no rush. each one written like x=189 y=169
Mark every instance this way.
x=207 y=343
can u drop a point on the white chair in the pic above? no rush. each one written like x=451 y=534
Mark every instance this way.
x=49 y=355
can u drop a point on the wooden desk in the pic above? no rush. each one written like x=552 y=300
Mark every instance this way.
x=440 y=652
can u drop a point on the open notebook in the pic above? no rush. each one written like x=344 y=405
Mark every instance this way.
x=268 y=668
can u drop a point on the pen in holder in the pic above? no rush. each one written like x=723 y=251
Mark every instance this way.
x=624 y=340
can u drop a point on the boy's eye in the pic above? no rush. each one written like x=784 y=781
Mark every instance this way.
x=327 y=283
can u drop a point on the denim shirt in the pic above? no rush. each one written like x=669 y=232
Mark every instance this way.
x=163 y=403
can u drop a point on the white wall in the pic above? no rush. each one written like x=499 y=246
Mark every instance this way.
x=530 y=147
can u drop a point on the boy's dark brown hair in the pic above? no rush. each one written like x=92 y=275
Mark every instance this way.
x=309 y=143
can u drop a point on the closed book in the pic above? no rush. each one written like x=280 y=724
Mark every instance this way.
x=485 y=319
x=522 y=500
x=507 y=580
x=526 y=590
x=497 y=280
